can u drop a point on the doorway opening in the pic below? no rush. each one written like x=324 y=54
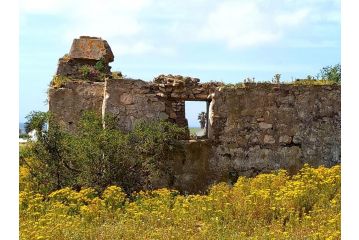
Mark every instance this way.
x=196 y=113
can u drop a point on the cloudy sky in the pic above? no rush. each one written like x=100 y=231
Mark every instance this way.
x=226 y=40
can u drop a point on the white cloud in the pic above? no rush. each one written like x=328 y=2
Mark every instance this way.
x=292 y=18
x=41 y=6
x=110 y=18
x=148 y=26
x=238 y=24
x=117 y=21
x=252 y=23
x=140 y=47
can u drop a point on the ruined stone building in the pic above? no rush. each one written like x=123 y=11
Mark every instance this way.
x=251 y=128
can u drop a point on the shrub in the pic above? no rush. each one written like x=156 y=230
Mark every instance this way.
x=24 y=136
x=59 y=81
x=117 y=75
x=331 y=73
x=92 y=73
x=97 y=157
x=86 y=71
x=100 y=65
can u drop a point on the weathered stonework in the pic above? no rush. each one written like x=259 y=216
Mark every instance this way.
x=254 y=128
x=130 y=100
x=85 y=53
x=67 y=104
x=91 y=48
x=263 y=127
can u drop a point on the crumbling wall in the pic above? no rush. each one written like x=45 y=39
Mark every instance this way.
x=175 y=90
x=252 y=128
x=164 y=98
x=68 y=103
x=191 y=170
x=264 y=127
x=130 y=100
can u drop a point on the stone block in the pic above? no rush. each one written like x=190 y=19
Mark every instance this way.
x=91 y=48
x=285 y=139
x=268 y=139
x=264 y=125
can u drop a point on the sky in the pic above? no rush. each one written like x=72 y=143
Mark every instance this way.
x=226 y=40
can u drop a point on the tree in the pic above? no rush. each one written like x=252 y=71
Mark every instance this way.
x=276 y=78
x=36 y=120
x=331 y=73
x=202 y=117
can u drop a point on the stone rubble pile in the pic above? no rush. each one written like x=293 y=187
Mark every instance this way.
x=187 y=88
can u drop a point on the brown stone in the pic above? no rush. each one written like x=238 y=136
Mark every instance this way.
x=264 y=125
x=126 y=98
x=160 y=94
x=173 y=115
x=201 y=96
x=91 y=48
x=268 y=139
x=175 y=95
x=285 y=139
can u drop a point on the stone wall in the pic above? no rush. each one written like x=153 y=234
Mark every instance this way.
x=68 y=103
x=192 y=173
x=252 y=128
x=130 y=100
x=259 y=128
x=263 y=127
x=175 y=90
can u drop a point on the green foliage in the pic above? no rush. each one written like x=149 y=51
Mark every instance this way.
x=117 y=75
x=85 y=70
x=100 y=65
x=59 y=81
x=24 y=136
x=93 y=73
x=310 y=78
x=97 y=157
x=331 y=73
x=36 y=120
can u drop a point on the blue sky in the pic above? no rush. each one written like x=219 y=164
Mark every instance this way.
x=213 y=40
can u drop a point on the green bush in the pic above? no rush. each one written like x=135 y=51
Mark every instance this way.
x=100 y=65
x=24 y=136
x=97 y=157
x=331 y=73
x=85 y=70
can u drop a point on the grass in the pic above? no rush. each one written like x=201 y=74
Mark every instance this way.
x=59 y=81
x=194 y=130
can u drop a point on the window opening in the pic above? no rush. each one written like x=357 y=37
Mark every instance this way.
x=196 y=113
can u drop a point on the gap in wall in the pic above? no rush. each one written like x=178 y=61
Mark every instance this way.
x=196 y=113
